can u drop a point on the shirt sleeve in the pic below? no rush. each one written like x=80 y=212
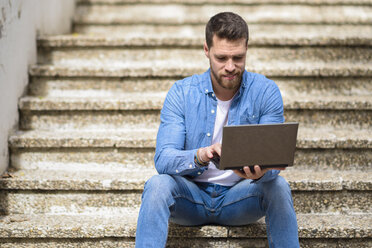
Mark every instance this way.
x=272 y=112
x=170 y=155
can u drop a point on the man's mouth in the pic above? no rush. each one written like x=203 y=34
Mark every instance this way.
x=229 y=77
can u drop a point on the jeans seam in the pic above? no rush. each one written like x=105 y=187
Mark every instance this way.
x=243 y=198
x=181 y=196
x=268 y=228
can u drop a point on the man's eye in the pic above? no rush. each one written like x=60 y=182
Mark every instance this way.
x=221 y=58
x=238 y=58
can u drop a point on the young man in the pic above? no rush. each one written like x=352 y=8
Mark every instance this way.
x=189 y=190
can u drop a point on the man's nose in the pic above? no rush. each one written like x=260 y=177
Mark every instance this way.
x=230 y=66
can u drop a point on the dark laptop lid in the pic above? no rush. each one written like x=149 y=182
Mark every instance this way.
x=268 y=145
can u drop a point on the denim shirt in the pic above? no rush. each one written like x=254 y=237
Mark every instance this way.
x=189 y=112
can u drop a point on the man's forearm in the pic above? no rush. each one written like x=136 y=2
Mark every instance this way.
x=176 y=162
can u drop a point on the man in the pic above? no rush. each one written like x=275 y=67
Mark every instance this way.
x=189 y=190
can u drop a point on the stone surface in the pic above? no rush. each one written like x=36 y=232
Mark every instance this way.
x=115 y=202
x=196 y=14
x=324 y=137
x=80 y=226
x=193 y=36
x=125 y=119
x=72 y=158
x=110 y=87
x=180 y=243
x=117 y=57
x=59 y=157
x=307 y=2
x=279 y=69
x=133 y=178
x=154 y=101
x=98 y=87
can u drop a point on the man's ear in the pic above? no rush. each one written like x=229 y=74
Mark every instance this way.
x=206 y=49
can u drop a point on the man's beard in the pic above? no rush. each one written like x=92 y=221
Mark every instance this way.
x=228 y=84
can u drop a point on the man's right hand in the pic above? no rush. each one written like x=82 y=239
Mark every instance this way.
x=206 y=153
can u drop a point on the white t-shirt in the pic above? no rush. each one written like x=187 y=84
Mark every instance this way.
x=214 y=175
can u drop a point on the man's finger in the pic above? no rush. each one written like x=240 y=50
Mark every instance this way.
x=218 y=149
x=210 y=153
x=240 y=173
x=248 y=171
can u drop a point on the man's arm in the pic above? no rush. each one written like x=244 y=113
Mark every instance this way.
x=170 y=155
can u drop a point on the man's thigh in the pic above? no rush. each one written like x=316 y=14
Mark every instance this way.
x=188 y=208
x=242 y=205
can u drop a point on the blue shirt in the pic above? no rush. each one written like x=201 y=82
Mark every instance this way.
x=189 y=112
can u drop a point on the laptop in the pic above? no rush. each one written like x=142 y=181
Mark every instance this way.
x=267 y=145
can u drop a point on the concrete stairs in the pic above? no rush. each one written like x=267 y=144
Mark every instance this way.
x=88 y=123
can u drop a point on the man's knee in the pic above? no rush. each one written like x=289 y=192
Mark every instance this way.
x=158 y=188
x=277 y=187
x=159 y=183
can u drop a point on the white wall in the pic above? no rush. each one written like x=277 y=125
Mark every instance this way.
x=20 y=22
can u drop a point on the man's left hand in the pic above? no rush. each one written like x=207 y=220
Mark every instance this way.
x=258 y=172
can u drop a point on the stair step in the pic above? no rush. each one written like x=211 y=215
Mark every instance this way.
x=125 y=138
x=108 y=87
x=43 y=87
x=238 y=2
x=106 y=191
x=133 y=179
x=326 y=138
x=119 y=119
x=194 y=36
x=200 y=14
x=114 y=202
x=282 y=69
x=141 y=110
x=154 y=101
x=40 y=158
x=188 y=57
x=311 y=226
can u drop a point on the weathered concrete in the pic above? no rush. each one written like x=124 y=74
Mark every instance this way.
x=40 y=158
x=189 y=14
x=248 y=2
x=193 y=35
x=328 y=138
x=80 y=226
x=173 y=57
x=133 y=179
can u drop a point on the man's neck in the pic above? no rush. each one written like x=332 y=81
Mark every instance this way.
x=222 y=93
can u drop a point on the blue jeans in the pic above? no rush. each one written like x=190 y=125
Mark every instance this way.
x=179 y=200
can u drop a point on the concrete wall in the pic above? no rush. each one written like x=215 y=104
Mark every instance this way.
x=20 y=22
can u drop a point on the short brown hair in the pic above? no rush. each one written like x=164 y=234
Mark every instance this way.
x=226 y=25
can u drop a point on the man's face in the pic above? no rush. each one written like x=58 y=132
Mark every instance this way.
x=227 y=62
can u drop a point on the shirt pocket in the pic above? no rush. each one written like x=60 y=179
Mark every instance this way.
x=249 y=118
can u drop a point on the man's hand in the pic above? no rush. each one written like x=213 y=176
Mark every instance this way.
x=206 y=153
x=258 y=172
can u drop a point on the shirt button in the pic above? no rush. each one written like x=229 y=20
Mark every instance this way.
x=206 y=90
x=212 y=111
x=213 y=94
x=199 y=173
x=190 y=166
x=176 y=171
x=208 y=134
